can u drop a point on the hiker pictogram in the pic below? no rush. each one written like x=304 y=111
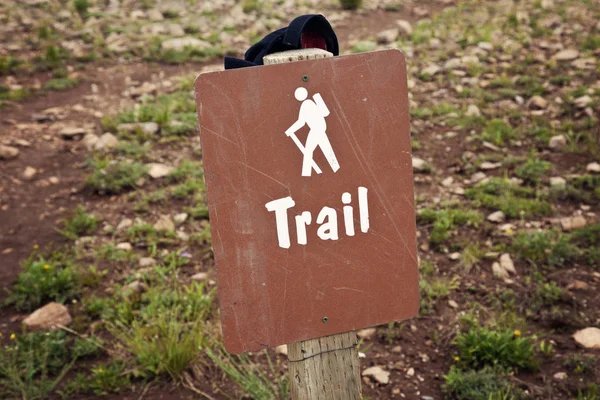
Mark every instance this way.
x=312 y=113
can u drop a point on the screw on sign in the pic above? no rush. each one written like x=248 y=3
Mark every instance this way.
x=314 y=237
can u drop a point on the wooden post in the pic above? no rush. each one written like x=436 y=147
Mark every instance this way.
x=328 y=367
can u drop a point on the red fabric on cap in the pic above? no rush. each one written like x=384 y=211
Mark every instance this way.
x=313 y=40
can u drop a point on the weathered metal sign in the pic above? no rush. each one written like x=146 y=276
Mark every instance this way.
x=309 y=177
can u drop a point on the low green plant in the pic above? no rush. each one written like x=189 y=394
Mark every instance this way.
x=79 y=225
x=590 y=393
x=470 y=256
x=498 y=132
x=548 y=294
x=167 y=330
x=350 y=4
x=533 y=170
x=250 y=5
x=45 y=279
x=485 y=384
x=81 y=6
x=580 y=364
x=434 y=289
x=446 y=220
x=514 y=201
x=249 y=376
x=36 y=363
x=102 y=380
x=544 y=248
x=114 y=177
x=60 y=83
x=480 y=347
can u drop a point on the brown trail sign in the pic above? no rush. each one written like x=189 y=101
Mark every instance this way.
x=309 y=176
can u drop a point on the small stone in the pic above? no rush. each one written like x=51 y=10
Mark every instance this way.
x=164 y=224
x=54 y=180
x=106 y=141
x=588 y=338
x=200 y=276
x=427 y=398
x=149 y=128
x=572 y=223
x=578 y=285
x=388 y=36
x=154 y=15
x=90 y=140
x=73 y=133
x=487 y=166
x=498 y=271
x=487 y=46
x=558 y=182
x=29 y=173
x=454 y=256
x=125 y=223
x=583 y=101
x=283 y=350
x=366 y=333
x=180 y=218
x=124 y=246
x=507 y=263
x=405 y=28
x=378 y=373
x=566 y=55
x=453 y=304
x=419 y=164
x=157 y=171
x=593 y=167
x=8 y=152
x=431 y=70
x=178 y=44
x=448 y=181
x=473 y=111
x=478 y=177
x=557 y=142
x=410 y=372
x=560 y=376
x=496 y=217
x=48 y=317
x=537 y=103
x=146 y=262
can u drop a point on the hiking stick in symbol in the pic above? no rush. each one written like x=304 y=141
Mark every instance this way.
x=312 y=113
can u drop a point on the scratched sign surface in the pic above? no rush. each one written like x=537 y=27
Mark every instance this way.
x=310 y=191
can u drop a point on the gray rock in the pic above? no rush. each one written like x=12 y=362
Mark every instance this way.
x=147 y=262
x=498 y=271
x=164 y=224
x=157 y=171
x=557 y=142
x=125 y=223
x=378 y=374
x=537 y=103
x=405 y=28
x=388 y=36
x=90 y=140
x=8 y=152
x=496 y=217
x=154 y=15
x=180 y=218
x=419 y=164
x=566 y=55
x=106 y=141
x=124 y=246
x=200 y=276
x=48 y=317
x=588 y=338
x=29 y=173
x=593 y=167
x=573 y=223
x=558 y=182
x=72 y=133
x=507 y=263
x=473 y=111
x=146 y=127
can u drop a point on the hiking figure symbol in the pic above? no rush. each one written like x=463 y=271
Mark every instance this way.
x=312 y=113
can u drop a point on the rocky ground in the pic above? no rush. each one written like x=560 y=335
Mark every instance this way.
x=104 y=230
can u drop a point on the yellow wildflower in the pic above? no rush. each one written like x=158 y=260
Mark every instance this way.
x=457 y=358
x=13 y=336
x=46 y=267
x=517 y=332
x=35 y=246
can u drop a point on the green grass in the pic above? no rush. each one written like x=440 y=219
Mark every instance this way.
x=544 y=248
x=60 y=83
x=110 y=177
x=250 y=378
x=445 y=221
x=167 y=330
x=80 y=224
x=548 y=294
x=498 y=132
x=102 y=380
x=45 y=279
x=514 y=201
x=533 y=170
x=507 y=350
x=350 y=4
x=33 y=364
x=486 y=384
